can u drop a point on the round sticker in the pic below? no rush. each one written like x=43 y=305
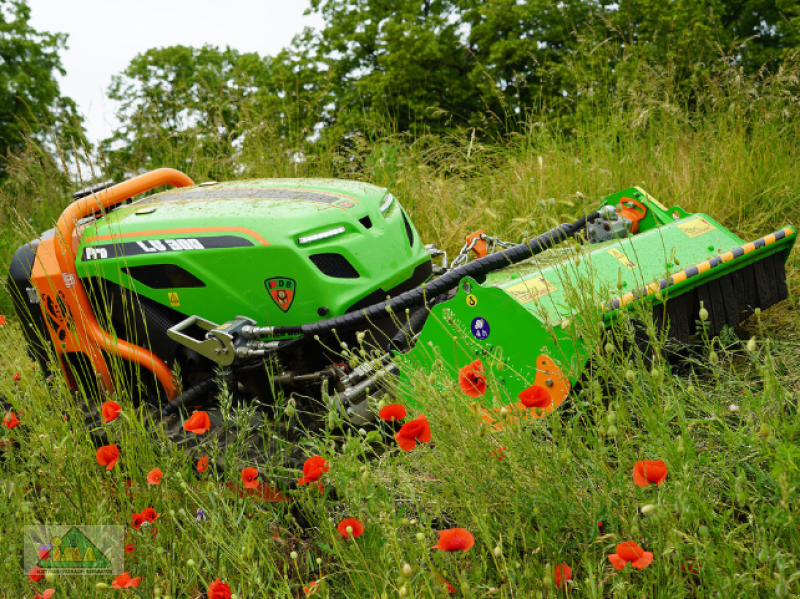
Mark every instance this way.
x=480 y=328
x=472 y=301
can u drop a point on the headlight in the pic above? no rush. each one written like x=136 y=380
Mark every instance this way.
x=323 y=235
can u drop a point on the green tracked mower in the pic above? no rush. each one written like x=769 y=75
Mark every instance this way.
x=256 y=285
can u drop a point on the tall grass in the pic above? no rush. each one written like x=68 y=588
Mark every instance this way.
x=724 y=524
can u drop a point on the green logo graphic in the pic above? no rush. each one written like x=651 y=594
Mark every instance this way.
x=73 y=550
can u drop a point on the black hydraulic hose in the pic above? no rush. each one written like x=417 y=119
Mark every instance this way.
x=448 y=281
x=191 y=393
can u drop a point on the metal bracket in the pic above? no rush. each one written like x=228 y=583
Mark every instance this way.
x=221 y=343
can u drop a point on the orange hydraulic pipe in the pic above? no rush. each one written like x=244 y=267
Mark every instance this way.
x=65 y=255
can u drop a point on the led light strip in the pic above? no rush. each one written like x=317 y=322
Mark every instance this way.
x=324 y=235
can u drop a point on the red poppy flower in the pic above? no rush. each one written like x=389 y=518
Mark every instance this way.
x=107 y=456
x=110 y=411
x=198 y=423
x=354 y=523
x=393 y=412
x=455 y=539
x=249 y=476
x=17 y=376
x=149 y=514
x=218 y=590
x=648 y=472
x=124 y=581
x=137 y=520
x=154 y=476
x=691 y=566
x=310 y=588
x=154 y=534
x=561 y=574
x=44 y=554
x=313 y=469
x=630 y=553
x=46 y=595
x=499 y=453
x=202 y=464
x=10 y=420
x=36 y=574
x=130 y=547
x=412 y=432
x=536 y=396
x=448 y=587
x=472 y=379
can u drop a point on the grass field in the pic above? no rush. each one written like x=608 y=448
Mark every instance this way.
x=726 y=423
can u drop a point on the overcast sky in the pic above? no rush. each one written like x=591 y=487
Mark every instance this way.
x=104 y=35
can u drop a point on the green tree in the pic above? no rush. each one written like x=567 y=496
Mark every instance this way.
x=31 y=104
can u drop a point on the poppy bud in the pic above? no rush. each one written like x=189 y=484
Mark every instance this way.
x=763 y=555
x=577 y=260
x=630 y=376
x=49 y=576
x=611 y=417
x=757 y=312
x=751 y=345
x=681 y=448
x=704 y=532
x=157 y=591
x=612 y=431
x=101 y=586
x=690 y=389
x=609 y=348
x=420 y=537
x=713 y=358
x=764 y=431
x=498 y=551
x=565 y=323
x=407 y=570
x=781 y=590
x=464 y=587
x=432 y=378
x=319 y=561
x=703 y=313
x=654 y=373
x=190 y=563
x=648 y=509
x=289 y=411
x=293 y=554
x=676 y=261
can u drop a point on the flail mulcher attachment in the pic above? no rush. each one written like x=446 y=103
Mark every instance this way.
x=255 y=285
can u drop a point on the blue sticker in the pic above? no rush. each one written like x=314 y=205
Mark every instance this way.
x=481 y=328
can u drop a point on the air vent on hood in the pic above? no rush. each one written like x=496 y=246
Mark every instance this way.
x=164 y=276
x=334 y=265
x=409 y=230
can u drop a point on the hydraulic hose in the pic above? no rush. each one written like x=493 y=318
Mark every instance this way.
x=435 y=288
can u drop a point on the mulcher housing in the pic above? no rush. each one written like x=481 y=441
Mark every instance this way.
x=264 y=279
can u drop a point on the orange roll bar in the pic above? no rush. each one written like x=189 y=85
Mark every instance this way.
x=65 y=255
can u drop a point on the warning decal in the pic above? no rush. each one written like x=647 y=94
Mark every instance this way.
x=530 y=288
x=174 y=301
x=696 y=227
x=622 y=258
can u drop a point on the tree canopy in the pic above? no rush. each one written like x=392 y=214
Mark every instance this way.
x=31 y=103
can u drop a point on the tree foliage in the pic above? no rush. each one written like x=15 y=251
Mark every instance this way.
x=31 y=104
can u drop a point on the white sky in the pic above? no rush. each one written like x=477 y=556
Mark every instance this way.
x=104 y=35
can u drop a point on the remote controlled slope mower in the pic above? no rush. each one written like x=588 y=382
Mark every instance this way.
x=264 y=280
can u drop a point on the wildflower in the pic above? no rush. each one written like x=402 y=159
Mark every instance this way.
x=648 y=509
x=46 y=595
x=393 y=413
x=124 y=581
x=154 y=476
x=137 y=521
x=17 y=376
x=44 y=551
x=691 y=566
x=647 y=472
x=561 y=574
x=198 y=423
x=202 y=464
x=536 y=396
x=407 y=570
x=472 y=379
x=350 y=527
x=130 y=547
x=36 y=574
x=308 y=589
x=249 y=476
x=218 y=590
x=110 y=411
x=455 y=539
x=447 y=586
x=417 y=430
x=630 y=553
x=499 y=453
x=10 y=420
x=149 y=514
x=201 y=515
x=313 y=469
x=107 y=456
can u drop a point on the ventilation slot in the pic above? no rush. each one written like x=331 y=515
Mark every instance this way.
x=164 y=276
x=334 y=265
x=409 y=230
x=366 y=222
